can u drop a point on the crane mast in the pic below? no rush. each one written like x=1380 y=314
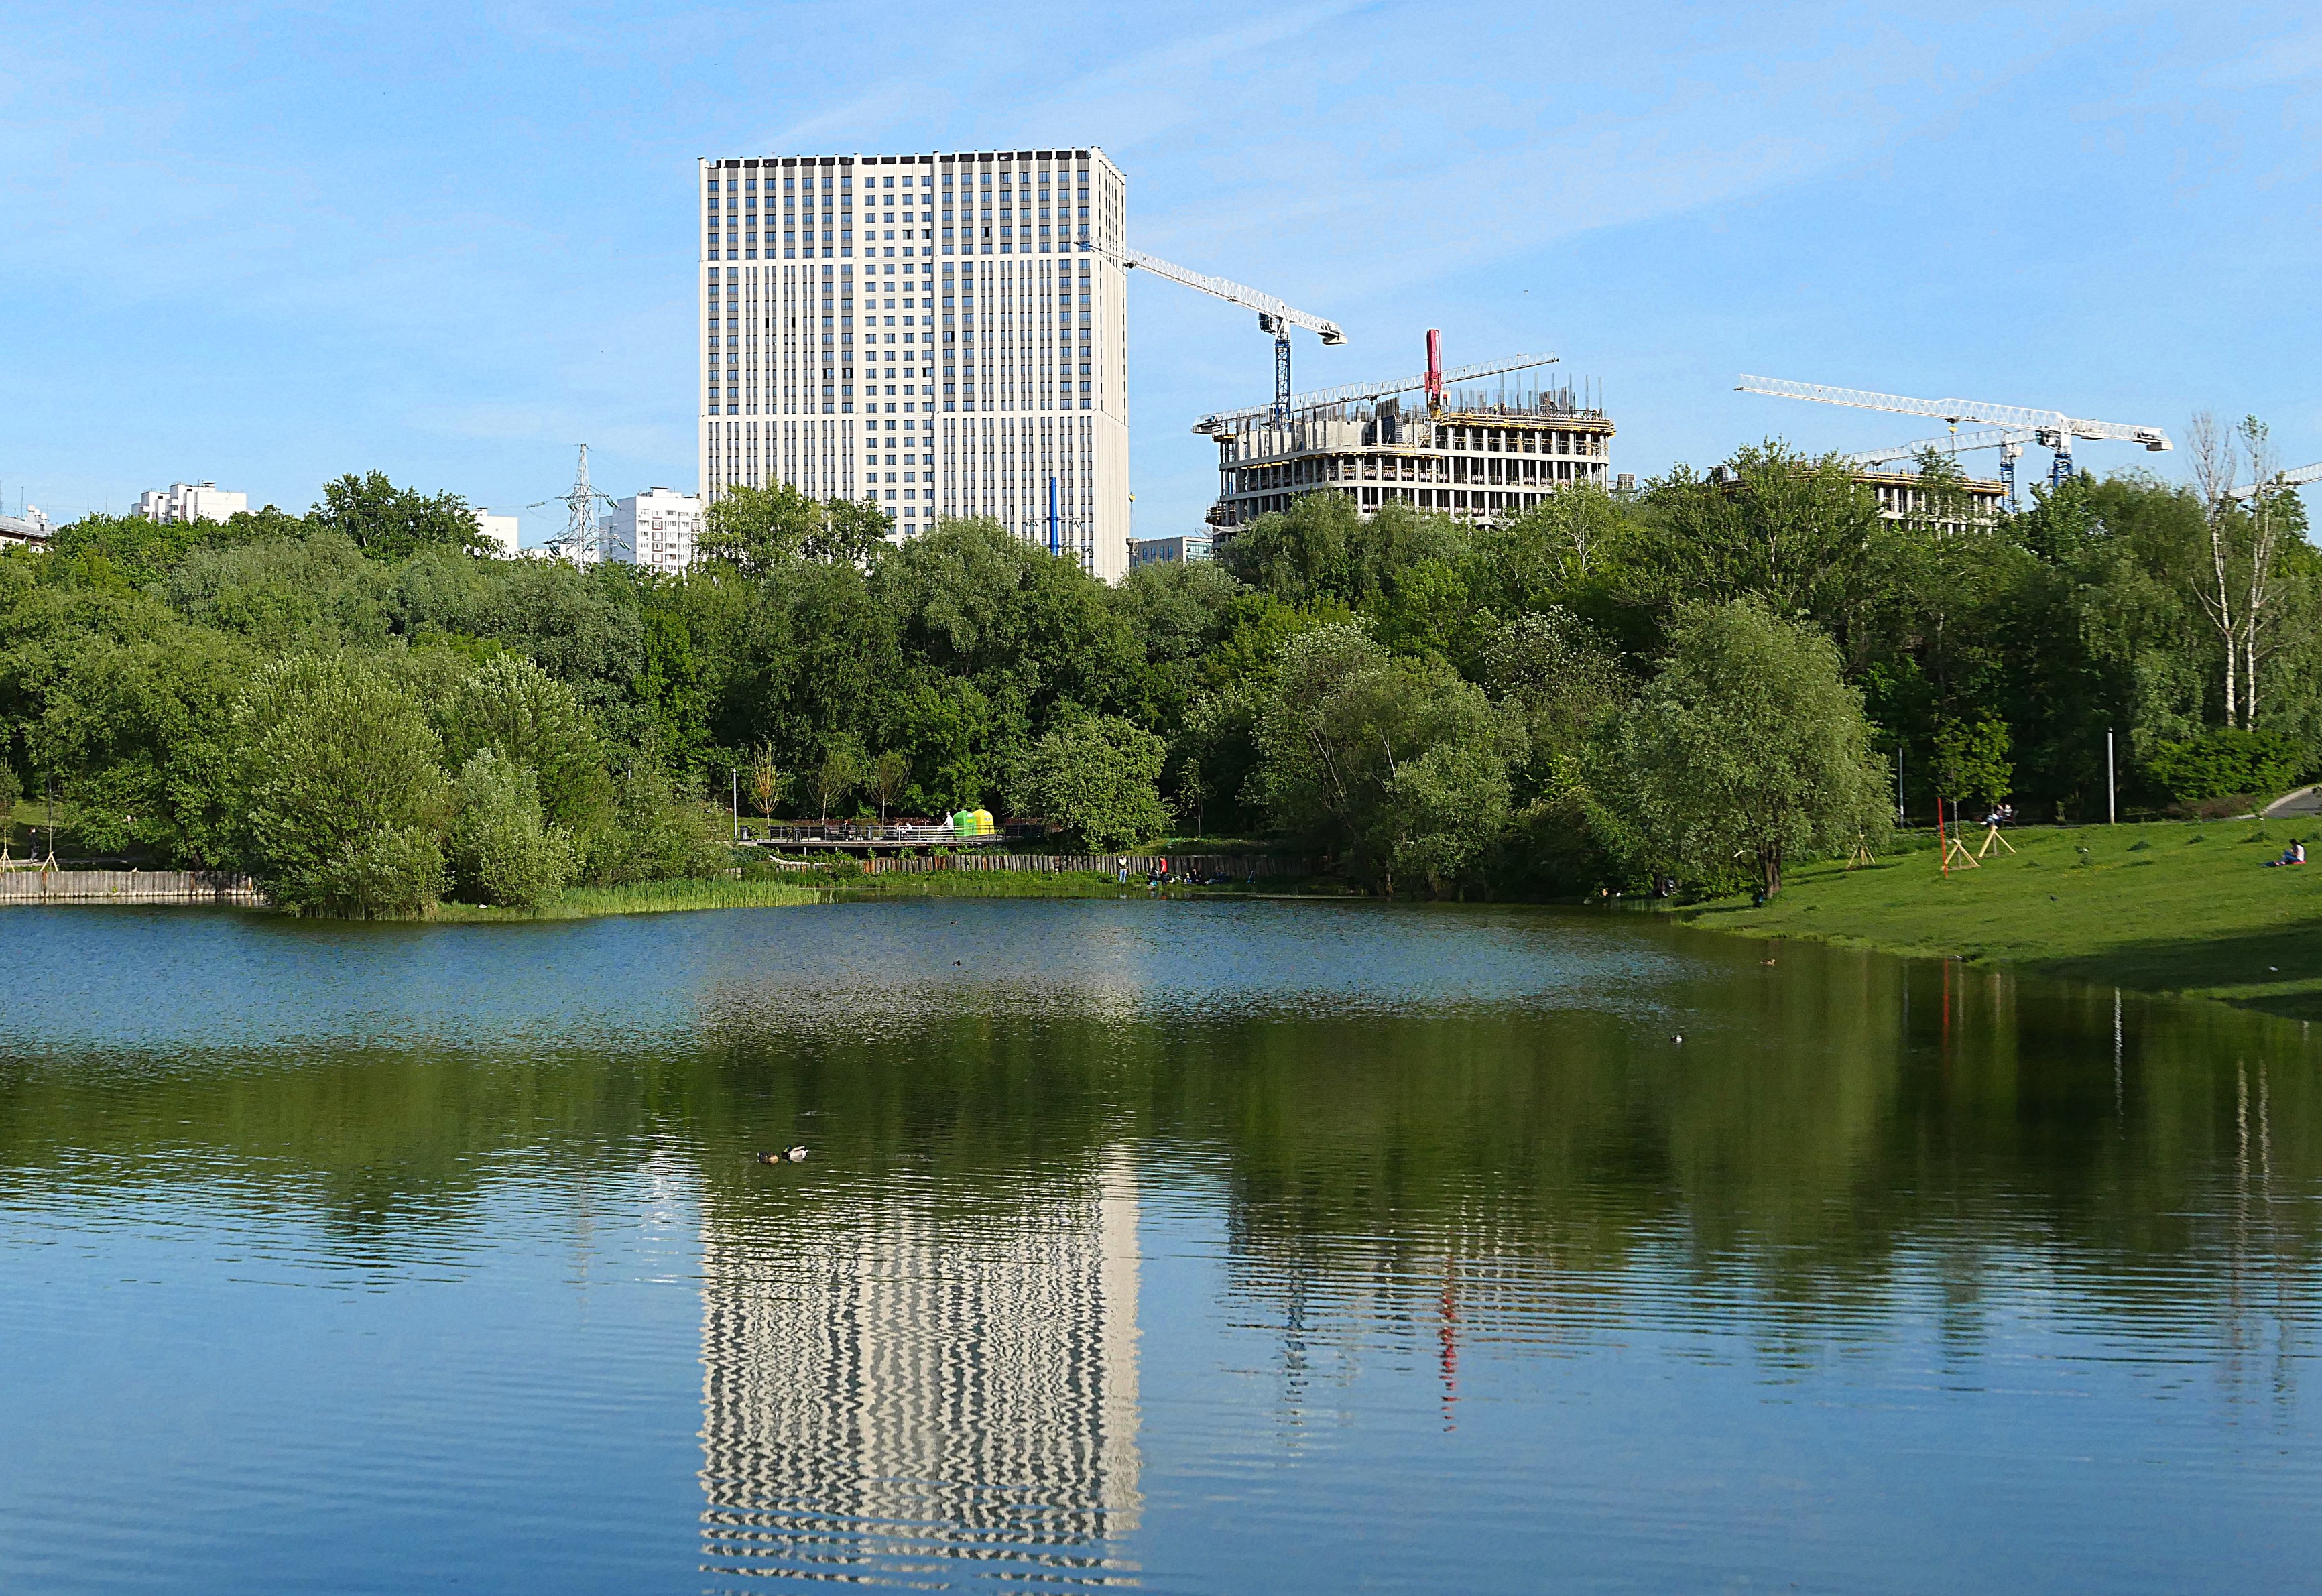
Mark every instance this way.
x=1274 y=315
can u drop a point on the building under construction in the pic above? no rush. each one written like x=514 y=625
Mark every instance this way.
x=1969 y=503
x=1964 y=503
x=1480 y=455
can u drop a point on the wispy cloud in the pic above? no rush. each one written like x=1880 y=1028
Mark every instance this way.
x=1137 y=99
x=2293 y=59
x=858 y=121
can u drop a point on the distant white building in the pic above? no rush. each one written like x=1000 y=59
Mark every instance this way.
x=1162 y=550
x=28 y=528
x=499 y=531
x=655 y=529
x=182 y=504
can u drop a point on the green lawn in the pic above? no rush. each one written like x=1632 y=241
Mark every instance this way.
x=2162 y=908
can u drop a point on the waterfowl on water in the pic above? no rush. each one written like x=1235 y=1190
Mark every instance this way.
x=790 y=1156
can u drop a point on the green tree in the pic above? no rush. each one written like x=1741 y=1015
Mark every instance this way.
x=1214 y=753
x=760 y=530
x=1556 y=680
x=390 y=523
x=945 y=728
x=512 y=705
x=830 y=778
x=886 y=779
x=765 y=781
x=1793 y=532
x=1394 y=763
x=1098 y=777
x=1746 y=746
x=658 y=833
x=1971 y=763
x=497 y=848
x=342 y=794
x=139 y=730
x=1442 y=810
x=2227 y=761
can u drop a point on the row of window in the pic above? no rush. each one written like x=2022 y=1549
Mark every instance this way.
x=748 y=189
x=1474 y=440
x=1420 y=469
x=846 y=215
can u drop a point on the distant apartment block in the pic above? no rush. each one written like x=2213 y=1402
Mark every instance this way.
x=655 y=529
x=28 y=528
x=942 y=333
x=499 y=531
x=181 y=504
x=1166 y=551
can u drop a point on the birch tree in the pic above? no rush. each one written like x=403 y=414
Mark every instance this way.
x=2214 y=464
x=2260 y=600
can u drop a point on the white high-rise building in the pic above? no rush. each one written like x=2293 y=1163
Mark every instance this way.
x=655 y=529
x=943 y=333
x=181 y=504
x=504 y=533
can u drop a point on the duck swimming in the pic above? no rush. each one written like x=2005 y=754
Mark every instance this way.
x=789 y=1156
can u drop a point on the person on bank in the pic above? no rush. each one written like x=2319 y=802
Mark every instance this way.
x=2293 y=854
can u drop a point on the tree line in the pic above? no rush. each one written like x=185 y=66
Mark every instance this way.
x=1694 y=684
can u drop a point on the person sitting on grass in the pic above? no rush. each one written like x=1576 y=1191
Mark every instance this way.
x=2293 y=854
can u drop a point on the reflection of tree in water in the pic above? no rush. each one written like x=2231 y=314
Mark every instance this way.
x=1826 y=1148
x=1837 y=1133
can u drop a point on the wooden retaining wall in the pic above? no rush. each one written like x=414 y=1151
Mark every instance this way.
x=124 y=885
x=1238 y=867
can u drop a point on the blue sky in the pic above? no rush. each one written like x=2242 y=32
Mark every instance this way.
x=265 y=245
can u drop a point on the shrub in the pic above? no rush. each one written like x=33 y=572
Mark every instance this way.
x=512 y=705
x=2227 y=762
x=342 y=798
x=657 y=833
x=499 y=848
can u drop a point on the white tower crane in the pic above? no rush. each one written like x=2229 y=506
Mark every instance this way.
x=2296 y=477
x=2009 y=440
x=1274 y=315
x=2051 y=429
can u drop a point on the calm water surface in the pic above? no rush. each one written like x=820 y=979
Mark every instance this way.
x=1175 y=1247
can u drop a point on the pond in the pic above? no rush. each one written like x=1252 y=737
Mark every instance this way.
x=1172 y=1246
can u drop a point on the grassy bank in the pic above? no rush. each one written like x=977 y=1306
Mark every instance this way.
x=2165 y=908
x=644 y=898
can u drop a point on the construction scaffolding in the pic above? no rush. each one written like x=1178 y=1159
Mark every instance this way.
x=1487 y=454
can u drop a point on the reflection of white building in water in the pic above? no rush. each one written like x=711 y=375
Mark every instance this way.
x=904 y=1384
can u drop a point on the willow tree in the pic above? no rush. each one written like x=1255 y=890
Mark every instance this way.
x=1747 y=747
